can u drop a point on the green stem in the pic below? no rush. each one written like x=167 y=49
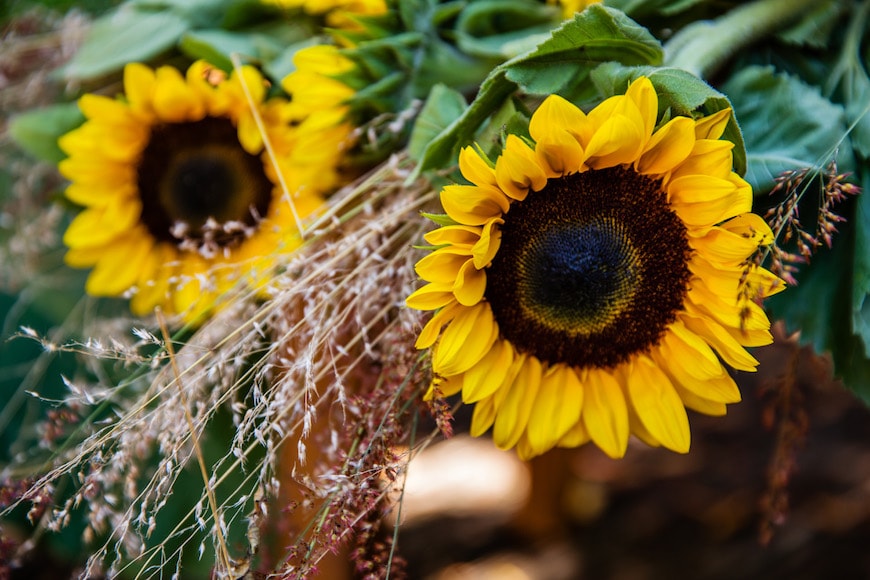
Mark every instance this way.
x=701 y=48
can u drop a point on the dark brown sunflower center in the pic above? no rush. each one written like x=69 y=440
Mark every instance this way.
x=591 y=269
x=199 y=185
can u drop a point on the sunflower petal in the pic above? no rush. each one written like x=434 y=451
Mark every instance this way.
x=658 y=406
x=473 y=206
x=513 y=413
x=556 y=409
x=517 y=170
x=465 y=341
x=605 y=414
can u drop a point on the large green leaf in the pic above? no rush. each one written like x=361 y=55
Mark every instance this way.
x=861 y=268
x=594 y=36
x=828 y=304
x=126 y=35
x=786 y=124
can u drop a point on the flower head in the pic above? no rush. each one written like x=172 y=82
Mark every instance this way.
x=592 y=282
x=340 y=14
x=182 y=198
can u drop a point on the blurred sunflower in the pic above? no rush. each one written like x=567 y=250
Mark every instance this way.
x=569 y=7
x=339 y=14
x=181 y=198
x=319 y=101
x=590 y=284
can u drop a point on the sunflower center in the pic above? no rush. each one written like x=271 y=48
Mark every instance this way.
x=578 y=275
x=591 y=269
x=198 y=185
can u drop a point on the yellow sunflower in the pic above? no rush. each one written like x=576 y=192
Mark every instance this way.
x=569 y=7
x=339 y=13
x=318 y=100
x=181 y=198
x=594 y=281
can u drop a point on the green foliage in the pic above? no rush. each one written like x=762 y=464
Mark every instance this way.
x=125 y=35
x=443 y=106
x=142 y=31
x=37 y=131
x=809 y=135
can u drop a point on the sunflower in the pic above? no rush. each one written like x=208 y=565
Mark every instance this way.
x=591 y=284
x=181 y=199
x=340 y=14
x=569 y=7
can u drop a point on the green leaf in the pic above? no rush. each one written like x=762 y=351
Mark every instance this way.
x=37 y=131
x=861 y=268
x=126 y=35
x=828 y=305
x=594 y=36
x=443 y=106
x=497 y=28
x=787 y=124
x=679 y=92
x=814 y=28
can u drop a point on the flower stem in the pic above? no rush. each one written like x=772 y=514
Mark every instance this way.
x=702 y=47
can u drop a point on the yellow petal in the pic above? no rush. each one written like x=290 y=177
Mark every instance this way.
x=119 y=268
x=513 y=413
x=472 y=205
x=483 y=417
x=668 y=147
x=718 y=389
x=476 y=169
x=490 y=374
x=560 y=154
x=657 y=404
x=700 y=404
x=556 y=409
x=517 y=170
x=575 y=437
x=555 y=115
x=432 y=329
x=153 y=284
x=712 y=126
x=699 y=189
x=486 y=247
x=174 y=101
x=728 y=348
x=713 y=158
x=139 y=83
x=752 y=226
x=605 y=414
x=443 y=265
x=83 y=257
x=465 y=341
x=431 y=296
x=470 y=284
x=691 y=352
x=97 y=225
x=249 y=133
x=642 y=93
x=617 y=141
x=454 y=235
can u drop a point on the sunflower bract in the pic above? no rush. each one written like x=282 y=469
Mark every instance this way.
x=597 y=280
